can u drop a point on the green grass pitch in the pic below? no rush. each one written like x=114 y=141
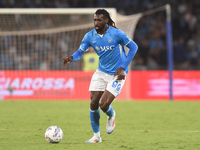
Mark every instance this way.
x=168 y=125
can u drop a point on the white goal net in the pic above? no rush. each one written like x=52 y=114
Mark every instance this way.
x=38 y=39
x=34 y=41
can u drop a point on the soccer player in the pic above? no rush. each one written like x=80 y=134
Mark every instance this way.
x=109 y=78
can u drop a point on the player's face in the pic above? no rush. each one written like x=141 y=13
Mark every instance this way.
x=100 y=23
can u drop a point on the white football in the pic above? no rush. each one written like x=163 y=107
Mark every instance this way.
x=53 y=134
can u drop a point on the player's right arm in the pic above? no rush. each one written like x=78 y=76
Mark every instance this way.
x=75 y=57
x=67 y=60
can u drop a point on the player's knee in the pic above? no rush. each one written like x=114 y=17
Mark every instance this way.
x=103 y=105
x=94 y=105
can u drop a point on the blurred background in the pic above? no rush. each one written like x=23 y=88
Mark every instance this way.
x=34 y=42
x=150 y=33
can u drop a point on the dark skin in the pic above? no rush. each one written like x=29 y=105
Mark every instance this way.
x=100 y=99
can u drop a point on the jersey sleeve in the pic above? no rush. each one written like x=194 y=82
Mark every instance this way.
x=85 y=44
x=123 y=38
x=132 y=50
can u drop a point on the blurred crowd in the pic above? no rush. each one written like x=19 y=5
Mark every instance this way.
x=150 y=32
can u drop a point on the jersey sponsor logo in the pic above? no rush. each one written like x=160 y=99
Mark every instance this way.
x=94 y=41
x=97 y=48
x=105 y=48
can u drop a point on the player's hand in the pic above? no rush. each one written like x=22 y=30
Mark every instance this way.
x=121 y=74
x=67 y=60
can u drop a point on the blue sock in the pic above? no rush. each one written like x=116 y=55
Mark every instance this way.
x=110 y=111
x=94 y=120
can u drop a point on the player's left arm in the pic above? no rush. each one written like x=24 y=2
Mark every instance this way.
x=126 y=41
x=132 y=51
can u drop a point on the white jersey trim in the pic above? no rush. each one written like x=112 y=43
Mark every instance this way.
x=128 y=43
x=83 y=49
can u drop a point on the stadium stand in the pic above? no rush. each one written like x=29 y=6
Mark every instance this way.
x=150 y=34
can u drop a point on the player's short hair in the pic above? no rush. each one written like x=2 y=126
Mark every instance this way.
x=106 y=15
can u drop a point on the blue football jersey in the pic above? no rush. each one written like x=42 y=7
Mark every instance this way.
x=109 y=47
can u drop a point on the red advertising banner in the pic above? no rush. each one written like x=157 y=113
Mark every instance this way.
x=44 y=85
x=154 y=85
x=74 y=85
x=48 y=85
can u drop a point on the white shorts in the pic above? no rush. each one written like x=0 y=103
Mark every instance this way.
x=102 y=81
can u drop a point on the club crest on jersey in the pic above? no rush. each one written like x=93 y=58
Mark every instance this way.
x=110 y=40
